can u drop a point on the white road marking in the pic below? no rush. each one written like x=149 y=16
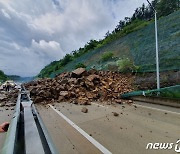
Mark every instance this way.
x=156 y=109
x=82 y=132
x=100 y=105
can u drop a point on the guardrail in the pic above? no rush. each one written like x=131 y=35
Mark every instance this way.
x=27 y=133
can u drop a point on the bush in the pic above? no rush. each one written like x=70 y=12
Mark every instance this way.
x=126 y=65
x=80 y=65
x=106 y=56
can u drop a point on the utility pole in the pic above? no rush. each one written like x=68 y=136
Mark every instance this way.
x=157 y=52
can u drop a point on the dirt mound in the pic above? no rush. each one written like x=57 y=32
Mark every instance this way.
x=81 y=87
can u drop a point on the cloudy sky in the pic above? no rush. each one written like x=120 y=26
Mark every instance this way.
x=35 y=32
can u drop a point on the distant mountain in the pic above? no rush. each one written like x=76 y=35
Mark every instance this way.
x=14 y=77
x=20 y=79
x=25 y=79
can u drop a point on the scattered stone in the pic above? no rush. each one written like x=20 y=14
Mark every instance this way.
x=115 y=114
x=119 y=101
x=84 y=110
x=130 y=102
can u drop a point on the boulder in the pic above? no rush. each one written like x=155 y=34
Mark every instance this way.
x=78 y=72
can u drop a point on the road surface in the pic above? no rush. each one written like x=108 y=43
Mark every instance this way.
x=130 y=132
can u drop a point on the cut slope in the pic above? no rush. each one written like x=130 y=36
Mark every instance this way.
x=139 y=46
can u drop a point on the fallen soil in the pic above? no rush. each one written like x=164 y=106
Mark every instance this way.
x=82 y=87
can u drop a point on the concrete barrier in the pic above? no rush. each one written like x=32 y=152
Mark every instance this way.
x=158 y=100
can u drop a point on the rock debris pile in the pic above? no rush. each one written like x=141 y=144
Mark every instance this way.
x=81 y=87
x=8 y=99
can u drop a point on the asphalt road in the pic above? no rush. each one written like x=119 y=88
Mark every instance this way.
x=130 y=132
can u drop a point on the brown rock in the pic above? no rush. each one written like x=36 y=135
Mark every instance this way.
x=64 y=93
x=93 y=71
x=119 y=101
x=89 y=84
x=78 y=72
x=84 y=110
x=38 y=99
x=33 y=92
x=83 y=101
x=93 y=77
x=89 y=95
x=65 y=81
x=60 y=98
x=115 y=114
x=72 y=80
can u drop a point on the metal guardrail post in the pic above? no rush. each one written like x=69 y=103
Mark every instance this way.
x=11 y=138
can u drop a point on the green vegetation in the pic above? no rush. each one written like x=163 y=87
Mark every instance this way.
x=80 y=65
x=106 y=56
x=126 y=65
x=3 y=77
x=132 y=38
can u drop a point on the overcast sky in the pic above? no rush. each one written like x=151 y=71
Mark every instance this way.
x=35 y=32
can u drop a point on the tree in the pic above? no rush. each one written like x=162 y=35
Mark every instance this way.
x=120 y=26
x=166 y=7
x=66 y=59
x=107 y=34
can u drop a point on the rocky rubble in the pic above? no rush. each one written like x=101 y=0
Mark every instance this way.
x=8 y=99
x=81 y=87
